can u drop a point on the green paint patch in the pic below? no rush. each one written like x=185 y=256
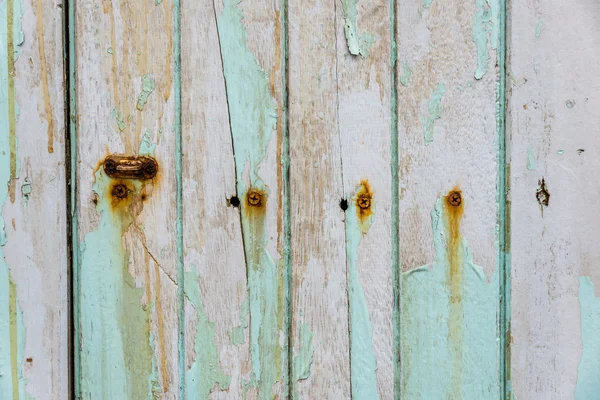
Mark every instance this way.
x=588 y=374
x=236 y=335
x=205 y=375
x=427 y=4
x=531 y=164
x=117 y=356
x=148 y=86
x=405 y=78
x=110 y=50
x=118 y=117
x=363 y=364
x=486 y=24
x=448 y=320
x=538 y=29
x=435 y=112
x=147 y=146
x=357 y=44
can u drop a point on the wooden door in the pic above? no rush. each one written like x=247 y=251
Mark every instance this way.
x=285 y=199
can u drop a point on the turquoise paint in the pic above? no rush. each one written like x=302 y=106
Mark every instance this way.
x=538 y=29
x=205 y=374
x=405 y=78
x=116 y=353
x=110 y=50
x=435 y=112
x=253 y=116
x=486 y=22
x=236 y=335
x=531 y=164
x=357 y=44
x=118 y=117
x=147 y=146
x=12 y=330
x=148 y=86
x=304 y=359
x=427 y=4
x=363 y=364
x=560 y=152
x=588 y=374
x=440 y=358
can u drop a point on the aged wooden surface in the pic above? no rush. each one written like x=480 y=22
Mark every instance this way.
x=34 y=334
x=125 y=291
x=448 y=54
x=555 y=246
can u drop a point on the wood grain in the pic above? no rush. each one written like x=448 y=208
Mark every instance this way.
x=128 y=261
x=34 y=305
x=555 y=249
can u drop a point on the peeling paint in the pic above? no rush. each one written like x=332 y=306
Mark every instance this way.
x=448 y=319
x=253 y=116
x=588 y=376
x=118 y=117
x=113 y=320
x=486 y=25
x=405 y=78
x=110 y=50
x=148 y=86
x=236 y=335
x=363 y=364
x=435 y=112
x=12 y=330
x=427 y=4
x=205 y=375
x=357 y=44
x=538 y=29
x=531 y=164
x=304 y=359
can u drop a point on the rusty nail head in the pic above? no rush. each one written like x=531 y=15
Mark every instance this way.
x=455 y=199
x=110 y=166
x=120 y=191
x=254 y=198
x=364 y=202
x=149 y=169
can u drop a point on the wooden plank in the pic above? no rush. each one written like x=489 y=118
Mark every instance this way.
x=448 y=165
x=555 y=248
x=33 y=252
x=364 y=89
x=127 y=288
x=321 y=365
x=236 y=337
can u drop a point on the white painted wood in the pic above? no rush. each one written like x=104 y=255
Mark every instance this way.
x=117 y=44
x=35 y=213
x=554 y=101
x=364 y=89
x=319 y=302
x=213 y=236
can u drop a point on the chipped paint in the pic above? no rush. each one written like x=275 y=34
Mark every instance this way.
x=148 y=86
x=427 y=4
x=435 y=112
x=363 y=364
x=531 y=164
x=236 y=335
x=304 y=359
x=205 y=375
x=357 y=44
x=588 y=378
x=405 y=78
x=486 y=25
x=253 y=116
x=110 y=50
x=448 y=319
x=114 y=321
x=538 y=29
x=12 y=330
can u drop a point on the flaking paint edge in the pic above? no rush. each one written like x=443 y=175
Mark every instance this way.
x=357 y=44
x=588 y=374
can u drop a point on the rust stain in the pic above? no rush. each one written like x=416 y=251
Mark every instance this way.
x=453 y=212
x=44 y=74
x=123 y=167
x=254 y=212
x=169 y=51
x=12 y=117
x=364 y=199
x=542 y=195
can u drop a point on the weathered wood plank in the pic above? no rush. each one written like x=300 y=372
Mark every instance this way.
x=236 y=342
x=33 y=253
x=127 y=301
x=555 y=246
x=321 y=365
x=448 y=165
x=364 y=89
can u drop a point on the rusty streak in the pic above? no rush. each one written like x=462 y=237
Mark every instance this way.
x=12 y=117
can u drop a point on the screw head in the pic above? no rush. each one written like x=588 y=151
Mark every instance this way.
x=110 y=166
x=454 y=199
x=364 y=202
x=120 y=191
x=149 y=169
x=254 y=198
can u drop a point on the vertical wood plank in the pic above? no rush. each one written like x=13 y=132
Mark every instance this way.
x=448 y=166
x=33 y=252
x=321 y=365
x=236 y=341
x=364 y=88
x=554 y=189
x=127 y=273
